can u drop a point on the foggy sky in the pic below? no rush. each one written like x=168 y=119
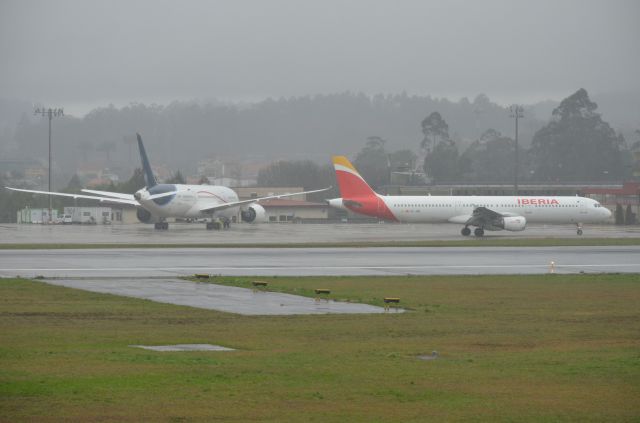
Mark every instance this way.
x=86 y=53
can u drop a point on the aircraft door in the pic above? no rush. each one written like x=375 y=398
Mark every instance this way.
x=582 y=207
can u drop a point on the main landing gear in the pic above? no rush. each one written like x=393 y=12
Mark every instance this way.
x=161 y=226
x=477 y=231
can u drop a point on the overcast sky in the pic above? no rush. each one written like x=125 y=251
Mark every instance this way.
x=84 y=53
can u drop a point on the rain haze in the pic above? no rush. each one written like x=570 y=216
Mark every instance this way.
x=213 y=180
x=246 y=83
x=85 y=54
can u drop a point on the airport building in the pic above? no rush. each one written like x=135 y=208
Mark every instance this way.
x=29 y=215
x=285 y=210
x=80 y=215
x=623 y=201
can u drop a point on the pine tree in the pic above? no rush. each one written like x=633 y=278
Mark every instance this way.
x=577 y=145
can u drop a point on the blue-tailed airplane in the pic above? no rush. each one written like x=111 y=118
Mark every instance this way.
x=156 y=202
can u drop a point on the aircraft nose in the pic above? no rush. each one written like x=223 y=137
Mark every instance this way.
x=607 y=213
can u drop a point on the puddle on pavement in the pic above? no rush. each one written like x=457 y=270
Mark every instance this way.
x=183 y=347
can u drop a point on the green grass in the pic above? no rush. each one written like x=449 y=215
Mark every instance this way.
x=512 y=348
x=471 y=242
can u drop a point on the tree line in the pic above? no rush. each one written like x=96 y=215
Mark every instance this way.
x=575 y=146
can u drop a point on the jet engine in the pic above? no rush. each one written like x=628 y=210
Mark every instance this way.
x=513 y=223
x=255 y=213
x=144 y=216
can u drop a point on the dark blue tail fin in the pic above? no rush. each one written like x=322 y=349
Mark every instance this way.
x=148 y=174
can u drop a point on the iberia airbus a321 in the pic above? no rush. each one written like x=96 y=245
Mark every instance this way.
x=491 y=213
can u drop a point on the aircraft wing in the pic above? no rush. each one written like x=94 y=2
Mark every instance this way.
x=483 y=216
x=224 y=206
x=110 y=194
x=131 y=201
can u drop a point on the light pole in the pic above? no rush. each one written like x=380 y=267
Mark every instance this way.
x=50 y=113
x=517 y=112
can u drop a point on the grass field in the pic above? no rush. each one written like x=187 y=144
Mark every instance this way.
x=512 y=348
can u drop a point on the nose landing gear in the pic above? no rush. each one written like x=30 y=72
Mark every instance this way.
x=579 y=231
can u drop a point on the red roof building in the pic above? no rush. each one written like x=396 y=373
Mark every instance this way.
x=629 y=193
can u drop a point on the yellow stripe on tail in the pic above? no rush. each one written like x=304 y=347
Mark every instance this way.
x=343 y=161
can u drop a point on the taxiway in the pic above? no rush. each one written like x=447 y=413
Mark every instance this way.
x=195 y=233
x=162 y=262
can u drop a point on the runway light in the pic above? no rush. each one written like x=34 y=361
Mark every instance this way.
x=321 y=291
x=258 y=284
x=552 y=266
x=391 y=300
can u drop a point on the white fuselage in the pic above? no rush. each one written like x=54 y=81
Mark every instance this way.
x=189 y=200
x=434 y=209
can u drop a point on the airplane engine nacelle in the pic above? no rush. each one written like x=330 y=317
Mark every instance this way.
x=338 y=203
x=255 y=213
x=514 y=223
x=144 y=216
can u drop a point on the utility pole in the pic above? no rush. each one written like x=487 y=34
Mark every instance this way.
x=50 y=113
x=517 y=112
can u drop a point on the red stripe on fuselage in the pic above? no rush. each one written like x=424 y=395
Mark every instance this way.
x=213 y=195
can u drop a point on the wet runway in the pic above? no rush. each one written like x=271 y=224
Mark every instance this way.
x=163 y=262
x=215 y=297
x=194 y=233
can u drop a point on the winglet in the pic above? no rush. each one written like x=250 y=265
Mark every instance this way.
x=351 y=184
x=146 y=167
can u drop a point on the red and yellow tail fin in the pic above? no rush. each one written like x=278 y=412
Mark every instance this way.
x=351 y=184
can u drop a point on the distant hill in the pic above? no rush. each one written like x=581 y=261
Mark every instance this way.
x=311 y=127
